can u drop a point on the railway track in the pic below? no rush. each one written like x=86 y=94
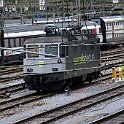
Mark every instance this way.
x=9 y=73
x=112 y=51
x=11 y=89
x=114 y=118
x=106 y=66
x=63 y=111
x=113 y=57
x=10 y=69
x=13 y=103
x=10 y=78
x=112 y=54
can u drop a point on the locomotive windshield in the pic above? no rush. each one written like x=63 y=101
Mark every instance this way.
x=44 y=48
x=51 y=49
x=33 y=48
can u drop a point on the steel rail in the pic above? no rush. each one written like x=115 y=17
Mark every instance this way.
x=76 y=106
x=118 y=116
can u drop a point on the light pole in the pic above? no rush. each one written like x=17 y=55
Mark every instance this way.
x=78 y=13
x=21 y=14
x=79 y=17
x=46 y=8
x=62 y=17
x=83 y=9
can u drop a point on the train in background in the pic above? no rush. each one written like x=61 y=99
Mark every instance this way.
x=14 y=42
x=60 y=59
x=111 y=29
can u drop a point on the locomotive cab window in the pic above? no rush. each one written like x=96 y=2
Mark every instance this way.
x=51 y=49
x=33 y=48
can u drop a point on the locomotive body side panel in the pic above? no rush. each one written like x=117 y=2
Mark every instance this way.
x=83 y=59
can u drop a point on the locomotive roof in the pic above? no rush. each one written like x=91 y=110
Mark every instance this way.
x=24 y=34
x=53 y=39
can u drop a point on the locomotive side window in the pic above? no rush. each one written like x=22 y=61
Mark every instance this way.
x=17 y=42
x=9 y=45
x=6 y=43
x=33 y=48
x=22 y=41
x=12 y=42
x=51 y=49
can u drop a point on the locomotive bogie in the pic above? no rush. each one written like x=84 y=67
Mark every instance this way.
x=53 y=81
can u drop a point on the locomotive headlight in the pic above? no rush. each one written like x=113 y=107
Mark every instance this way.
x=59 y=61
